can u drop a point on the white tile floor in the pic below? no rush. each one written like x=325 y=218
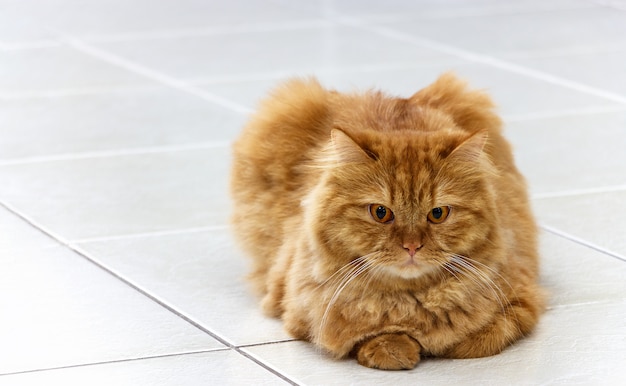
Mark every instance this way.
x=116 y=263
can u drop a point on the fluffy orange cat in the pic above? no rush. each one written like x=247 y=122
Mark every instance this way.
x=385 y=228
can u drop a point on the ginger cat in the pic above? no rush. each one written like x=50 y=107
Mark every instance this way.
x=387 y=229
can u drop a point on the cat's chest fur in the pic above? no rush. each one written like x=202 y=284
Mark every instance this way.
x=336 y=311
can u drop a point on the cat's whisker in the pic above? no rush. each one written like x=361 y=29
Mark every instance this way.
x=457 y=266
x=466 y=271
x=472 y=269
x=474 y=262
x=482 y=279
x=373 y=273
x=356 y=268
x=478 y=263
x=351 y=265
x=347 y=276
x=346 y=280
x=453 y=270
x=346 y=271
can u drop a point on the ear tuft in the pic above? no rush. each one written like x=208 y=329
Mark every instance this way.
x=472 y=149
x=346 y=150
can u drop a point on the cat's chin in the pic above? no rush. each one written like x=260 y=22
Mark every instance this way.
x=409 y=270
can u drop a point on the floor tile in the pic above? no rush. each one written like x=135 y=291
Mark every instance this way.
x=581 y=150
x=596 y=218
x=505 y=34
x=119 y=17
x=107 y=121
x=213 y=292
x=399 y=9
x=600 y=68
x=52 y=68
x=109 y=196
x=61 y=310
x=300 y=50
x=15 y=30
x=514 y=95
x=216 y=367
x=565 y=268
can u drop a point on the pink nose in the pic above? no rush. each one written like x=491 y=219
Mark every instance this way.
x=412 y=248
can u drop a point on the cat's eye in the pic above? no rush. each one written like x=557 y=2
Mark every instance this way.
x=381 y=213
x=439 y=214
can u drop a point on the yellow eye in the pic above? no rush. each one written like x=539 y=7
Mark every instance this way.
x=439 y=214
x=381 y=213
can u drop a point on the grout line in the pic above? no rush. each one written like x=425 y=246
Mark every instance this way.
x=154 y=75
x=486 y=59
x=79 y=251
x=80 y=91
x=161 y=302
x=580 y=304
x=177 y=33
x=114 y=361
x=580 y=241
x=165 y=304
x=170 y=307
x=267 y=367
x=131 y=236
x=31 y=44
x=114 y=153
x=464 y=13
x=563 y=113
x=267 y=343
x=49 y=233
x=611 y=4
x=584 y=50
x=579 y=192
x=172 y=33
x=277 y=75
x=241 y=77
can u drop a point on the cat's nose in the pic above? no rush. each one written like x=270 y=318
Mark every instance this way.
x=412 y=248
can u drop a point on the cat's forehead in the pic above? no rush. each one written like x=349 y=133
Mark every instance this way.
x=378 y=112
x=408 y=166
x=407 y=149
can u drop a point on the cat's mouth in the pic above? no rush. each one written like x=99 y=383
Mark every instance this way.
x=411 y=261
x=410 y=267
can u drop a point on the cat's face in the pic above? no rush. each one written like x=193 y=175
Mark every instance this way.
x=403 y=204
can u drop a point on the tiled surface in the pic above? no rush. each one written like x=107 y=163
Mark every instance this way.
x=207 y=261
x=517 y=96
x=58 y=309
x=215 y=367
x=115 y=124
x=109 y=120
x=45 y=69
x=595 y=164
x=500 y=35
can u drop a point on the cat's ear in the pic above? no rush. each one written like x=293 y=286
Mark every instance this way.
x=345 y=150
x=470 y=109
x=472 y=149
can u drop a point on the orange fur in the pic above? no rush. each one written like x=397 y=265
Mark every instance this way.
x=306 y=170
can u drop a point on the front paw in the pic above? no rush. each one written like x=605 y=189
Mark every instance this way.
x=389 y=352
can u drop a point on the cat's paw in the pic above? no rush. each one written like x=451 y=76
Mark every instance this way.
x=389 y=352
